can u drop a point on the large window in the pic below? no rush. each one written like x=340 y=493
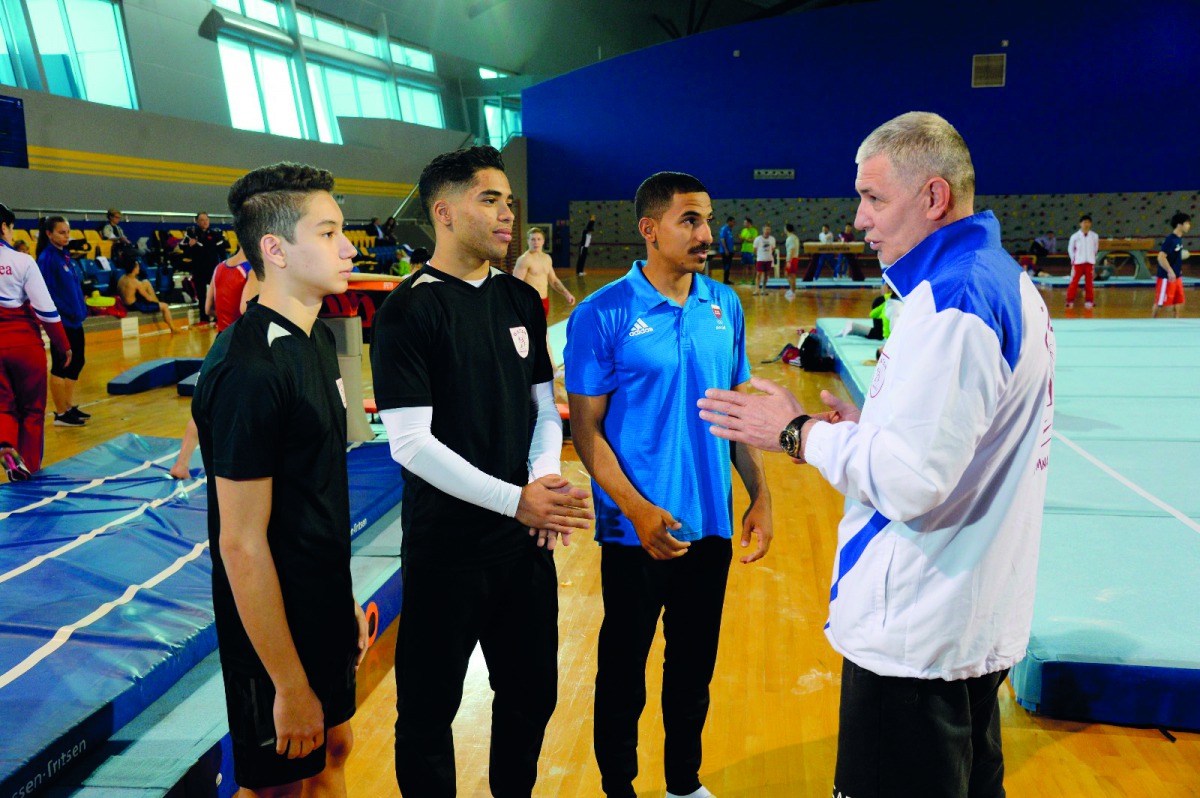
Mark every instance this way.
x=406 y=55
x=503 y=122
x=261 y=86
x=337 y=33
x=261 y=75
x=8 y=75
x=267 y=11
x=339 y=92
x=82 y=47
x=421 y=106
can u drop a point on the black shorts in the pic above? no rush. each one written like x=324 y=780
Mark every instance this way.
x=69 y=372
x=250 y=703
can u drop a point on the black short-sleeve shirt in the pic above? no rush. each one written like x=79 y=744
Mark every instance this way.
x=269 y=403
x=472 y=354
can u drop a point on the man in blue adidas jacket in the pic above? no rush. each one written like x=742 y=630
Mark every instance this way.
x=944 y=473
x=640 y=353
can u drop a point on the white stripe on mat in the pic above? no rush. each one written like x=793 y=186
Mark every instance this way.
x=85 y=537
x=64 y=633
x=1119 y=477
x=62 y=494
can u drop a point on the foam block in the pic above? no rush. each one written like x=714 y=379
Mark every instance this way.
x=153 y=374
x=187 y=386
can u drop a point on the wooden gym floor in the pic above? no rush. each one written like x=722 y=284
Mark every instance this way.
x=772 y=727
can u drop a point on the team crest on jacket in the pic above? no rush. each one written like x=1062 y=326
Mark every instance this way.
x=716 y=309
x=520 y=340
x=880 y=373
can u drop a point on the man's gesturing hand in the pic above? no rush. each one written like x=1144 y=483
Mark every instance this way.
x=755 y=419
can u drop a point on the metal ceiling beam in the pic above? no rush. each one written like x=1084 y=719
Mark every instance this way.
x=668 y=26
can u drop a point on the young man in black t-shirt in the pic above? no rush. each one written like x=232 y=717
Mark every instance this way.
x=463 y=382
x=270 y=409
x=1168 y=290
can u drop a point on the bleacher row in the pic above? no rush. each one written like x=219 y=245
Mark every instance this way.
x=96 y=247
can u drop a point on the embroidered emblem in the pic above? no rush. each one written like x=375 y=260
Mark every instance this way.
x=520 y=340
x=880 y=373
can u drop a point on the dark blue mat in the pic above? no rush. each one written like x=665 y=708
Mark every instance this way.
x=105 y=593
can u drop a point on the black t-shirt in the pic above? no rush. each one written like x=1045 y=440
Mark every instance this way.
x=1172 y=247
x=269 y=403
x=472 y=354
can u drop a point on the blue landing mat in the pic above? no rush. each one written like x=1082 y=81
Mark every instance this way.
x=105 y=593
x=1118 y=604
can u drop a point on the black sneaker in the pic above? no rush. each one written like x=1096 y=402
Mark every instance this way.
x=68 y=419
x=75 y=409
x=14 y=466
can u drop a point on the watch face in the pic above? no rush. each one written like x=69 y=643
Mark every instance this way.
x=788 y=441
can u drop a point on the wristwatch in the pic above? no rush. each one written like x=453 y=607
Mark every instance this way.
x=789 y=439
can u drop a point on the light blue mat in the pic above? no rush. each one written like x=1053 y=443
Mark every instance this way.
x=1118 y=599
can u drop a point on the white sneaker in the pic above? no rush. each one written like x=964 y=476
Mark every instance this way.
x=790 y=294
x=1088 y=305
x=700 y=793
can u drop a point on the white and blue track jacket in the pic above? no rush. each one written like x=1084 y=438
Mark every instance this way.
x=945 y=472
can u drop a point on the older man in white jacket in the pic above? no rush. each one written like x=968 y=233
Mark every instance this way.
x=944 y=473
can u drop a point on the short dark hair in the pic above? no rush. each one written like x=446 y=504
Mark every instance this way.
x=1179 y=218
x=1086 y=217
x=6 y=216
x=789 y=228
x=419 y=255
x=655 y=193
x=454 y=170
x=128 y=261
x=270 y=201
x=728 y=219
x=748 y=220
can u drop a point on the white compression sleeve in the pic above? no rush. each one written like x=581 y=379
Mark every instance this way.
x=410 y=435
x=545 y=450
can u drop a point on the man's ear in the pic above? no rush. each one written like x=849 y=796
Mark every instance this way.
x=649 y=229
x=442 y=213
x=271 y=248
x=938 y=198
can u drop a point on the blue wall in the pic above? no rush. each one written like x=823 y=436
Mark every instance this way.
x=1098 y=101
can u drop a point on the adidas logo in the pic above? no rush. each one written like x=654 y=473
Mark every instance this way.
x=640 y=328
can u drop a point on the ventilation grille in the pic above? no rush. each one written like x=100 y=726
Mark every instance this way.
x=987 y=71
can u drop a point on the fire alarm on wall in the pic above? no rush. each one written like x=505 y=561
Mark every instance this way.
x=737 y=53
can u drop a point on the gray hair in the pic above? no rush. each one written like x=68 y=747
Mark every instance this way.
x=921 y=145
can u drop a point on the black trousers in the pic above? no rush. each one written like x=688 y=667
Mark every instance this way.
x=727 y=262
x=202 y=275
x=581 y=262
x=511 y=610
x=902 y=737
x=637 y=588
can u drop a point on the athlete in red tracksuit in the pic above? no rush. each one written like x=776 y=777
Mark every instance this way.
x=24 y=301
